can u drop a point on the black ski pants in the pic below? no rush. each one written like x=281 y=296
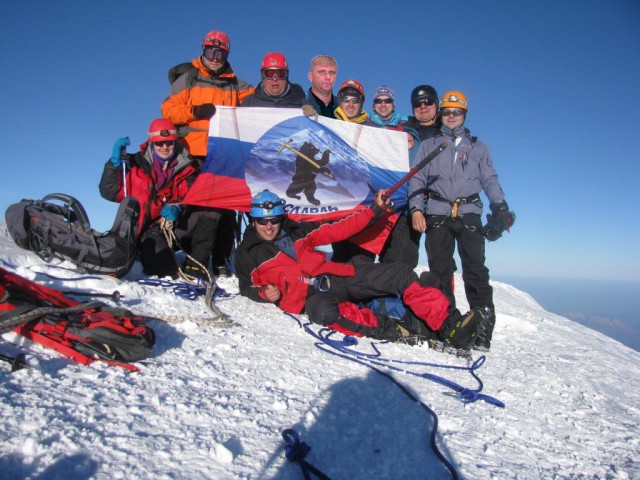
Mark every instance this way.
x=371 y=280
x=195 y=231
x=442 y=235
x=403 y=244
x=225 y=239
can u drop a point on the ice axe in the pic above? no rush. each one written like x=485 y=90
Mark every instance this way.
x=115 y=296
x=423 y=163
x=310 y=160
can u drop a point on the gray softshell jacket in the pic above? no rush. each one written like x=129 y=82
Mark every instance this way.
x=458 y=172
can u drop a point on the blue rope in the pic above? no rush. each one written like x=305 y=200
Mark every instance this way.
x=295 y=451
x=186 y=290
x=465 y=395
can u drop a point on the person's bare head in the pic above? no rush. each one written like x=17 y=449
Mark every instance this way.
x=322 y=74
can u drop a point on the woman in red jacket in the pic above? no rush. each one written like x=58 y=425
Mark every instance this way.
x=158 y=176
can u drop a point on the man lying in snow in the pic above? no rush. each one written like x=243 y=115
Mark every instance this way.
x=277 y=262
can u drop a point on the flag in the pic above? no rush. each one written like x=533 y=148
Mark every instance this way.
x=321 y=167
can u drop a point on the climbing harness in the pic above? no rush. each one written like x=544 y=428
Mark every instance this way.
x=475 y=198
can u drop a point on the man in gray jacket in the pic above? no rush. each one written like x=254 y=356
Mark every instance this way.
x=447 y=192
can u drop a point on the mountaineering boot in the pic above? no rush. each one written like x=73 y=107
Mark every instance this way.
x=460 y=331
x=482 y=341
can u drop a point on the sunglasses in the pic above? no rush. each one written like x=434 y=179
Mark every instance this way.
x=456 y=112
x=275 y=73
x=265 y=221
x=165 y=143
x=378 y=101
x=350 y=100
x=214 y=54
x=423 y=101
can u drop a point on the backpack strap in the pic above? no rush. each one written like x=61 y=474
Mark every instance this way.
x=182 y=68
x=70 y=352
x=74 y=204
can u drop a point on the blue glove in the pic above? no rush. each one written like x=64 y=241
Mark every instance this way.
x=170 y=212
x=119 y=148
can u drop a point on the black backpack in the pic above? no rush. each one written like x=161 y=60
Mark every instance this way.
x=180 y=69
x=63 y=231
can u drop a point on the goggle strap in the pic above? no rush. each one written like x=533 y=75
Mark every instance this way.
x=163 y=133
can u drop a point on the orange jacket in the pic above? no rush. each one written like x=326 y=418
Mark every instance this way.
x=223 y=88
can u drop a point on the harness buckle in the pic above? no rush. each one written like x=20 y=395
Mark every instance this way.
x=454 y=209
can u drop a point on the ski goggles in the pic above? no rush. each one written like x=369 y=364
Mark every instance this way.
x=275 y=73
x=351 y=100
x=165 y=143
x=456 y=112
x=379 y=101
x=418 y=102
x=267 y=220
x=214 y=54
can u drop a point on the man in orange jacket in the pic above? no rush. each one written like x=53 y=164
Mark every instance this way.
x=192 y=100
x=191 y=103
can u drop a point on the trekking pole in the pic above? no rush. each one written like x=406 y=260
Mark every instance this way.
x=423 y=163
x=115 y=296
x=123 y=156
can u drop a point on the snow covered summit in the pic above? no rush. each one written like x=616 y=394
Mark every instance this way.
x=211 y=403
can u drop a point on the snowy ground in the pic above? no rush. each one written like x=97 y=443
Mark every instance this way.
x=211 y=403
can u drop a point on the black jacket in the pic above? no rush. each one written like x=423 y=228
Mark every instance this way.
x=424 y=131
x=293 y=97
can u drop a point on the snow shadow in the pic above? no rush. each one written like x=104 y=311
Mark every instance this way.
x=167 y=337
x=368 y=428
x=79 y=466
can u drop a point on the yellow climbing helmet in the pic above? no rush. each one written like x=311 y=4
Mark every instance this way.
x=454 y=99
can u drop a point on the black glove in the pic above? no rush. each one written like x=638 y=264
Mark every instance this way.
x=501 y=220
x=204 y=111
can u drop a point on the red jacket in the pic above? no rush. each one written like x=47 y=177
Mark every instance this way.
x=260 y=262
x=141 y=183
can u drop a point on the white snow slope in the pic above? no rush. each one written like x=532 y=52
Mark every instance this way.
x=211 y=403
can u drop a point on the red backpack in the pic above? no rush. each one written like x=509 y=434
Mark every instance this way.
x=84 y=332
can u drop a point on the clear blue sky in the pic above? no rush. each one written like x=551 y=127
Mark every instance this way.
x=553 y=90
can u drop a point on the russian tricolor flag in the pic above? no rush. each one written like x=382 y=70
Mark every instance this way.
x=322 y=167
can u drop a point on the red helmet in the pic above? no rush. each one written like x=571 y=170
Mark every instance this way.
x=162 y=129
x=352 y=84
x=216 y=38
x=274 y=60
